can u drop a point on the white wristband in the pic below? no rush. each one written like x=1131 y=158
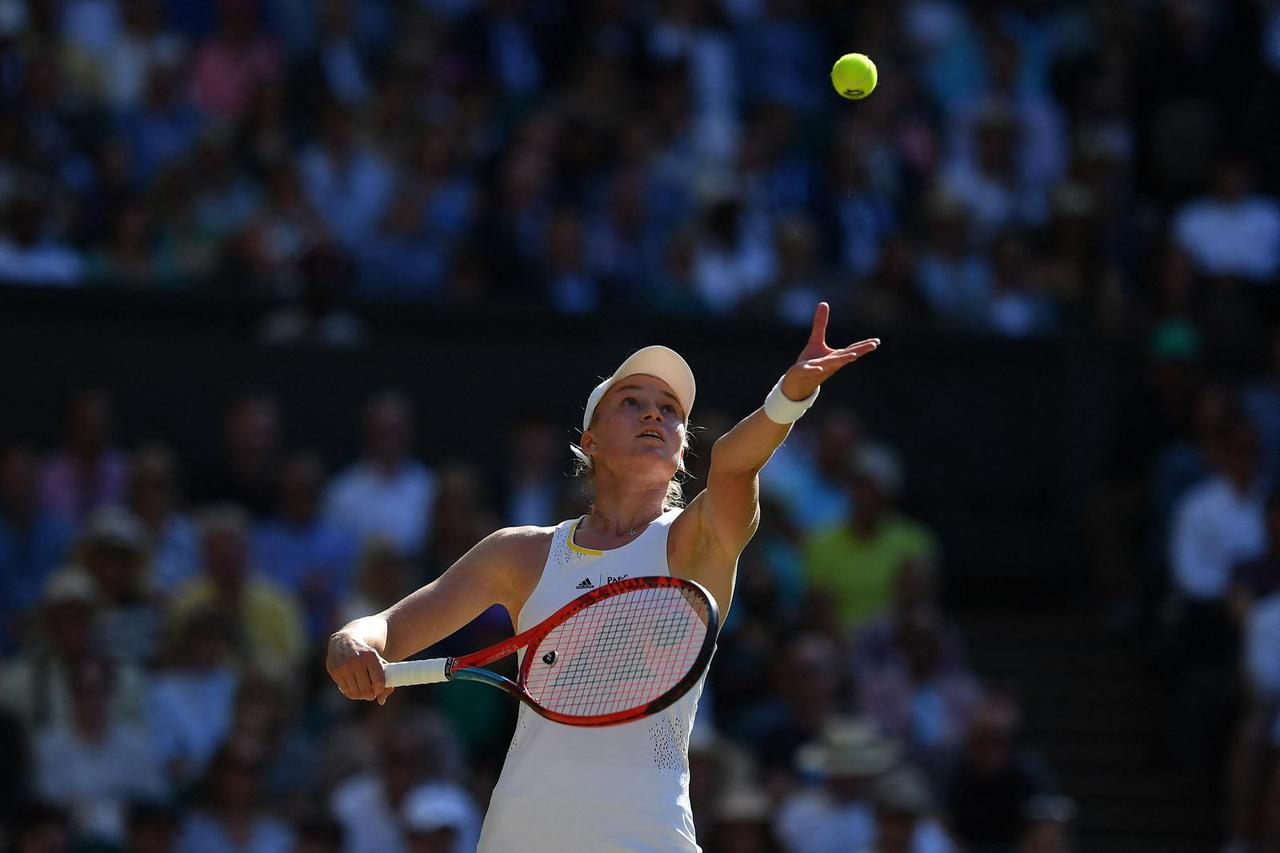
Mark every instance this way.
x=781 y=409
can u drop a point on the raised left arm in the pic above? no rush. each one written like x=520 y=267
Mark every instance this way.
x=729 y=509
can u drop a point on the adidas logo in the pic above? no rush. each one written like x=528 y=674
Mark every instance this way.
x=586 y=584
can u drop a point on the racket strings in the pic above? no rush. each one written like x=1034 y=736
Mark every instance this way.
x=620 y=653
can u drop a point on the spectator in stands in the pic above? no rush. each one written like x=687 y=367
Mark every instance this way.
x=916 y=590
x=742 y=817
x=460 y=517
x=677 y=293
x=113 y=550
x=318 y=317
x=282 y=232
x=954 y=279
x=986 y=183
x=533 y=474
x=162 y=129
x=623 y=245
x=787 y=41
x=32 y=252
x=130 y=258
x=419 y=755
x=190 y=700
x=1233 y=231
x=1254 y=599
x=383 y=577
x=230 y=816
x=224 y=195
x=235 y=61
x=96 y=762
x=338 y=64
x=401 y=260
x=809 y=473
x=732 y=258
x=771 y=584
x=269 y=624
x=36 y=684
x=1220 y=522
x=1217 y=524
x=1261 y=400
x=33 y=541
x=798 y=280
x=799 y=707
x=988 y=788
x=1188 y=459
x=1019 y=306
x=155 y=500
x=904 y=815
x=848 y=757
x=387 y=493
x=303 y=551
x=569 y=284
x=439 y=819
x=345 y=179
x=265 y=715
x=914 y=696
x=88 y=471
x=857 y=561
x=245 y=470
x=860 y=217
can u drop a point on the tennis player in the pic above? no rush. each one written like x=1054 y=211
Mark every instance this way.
x=625 y=787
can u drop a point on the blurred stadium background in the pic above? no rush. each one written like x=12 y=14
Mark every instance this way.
x=300 y=299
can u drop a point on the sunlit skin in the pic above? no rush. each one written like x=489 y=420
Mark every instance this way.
x=631 y=474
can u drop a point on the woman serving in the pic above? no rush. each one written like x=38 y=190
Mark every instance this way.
x=625 y=787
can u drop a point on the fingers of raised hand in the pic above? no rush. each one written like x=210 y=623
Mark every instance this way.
x=861 y=348
x=818 y=335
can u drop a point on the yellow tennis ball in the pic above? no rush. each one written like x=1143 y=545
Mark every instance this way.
x=854 y=76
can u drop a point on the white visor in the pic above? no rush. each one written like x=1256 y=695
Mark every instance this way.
x=662 y=362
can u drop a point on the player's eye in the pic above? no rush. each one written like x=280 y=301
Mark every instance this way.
x=669 y=409
x=628 y=401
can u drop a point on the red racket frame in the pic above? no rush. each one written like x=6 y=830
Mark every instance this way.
x=467 y=668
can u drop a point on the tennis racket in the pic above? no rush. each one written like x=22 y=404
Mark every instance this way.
x=618 y=653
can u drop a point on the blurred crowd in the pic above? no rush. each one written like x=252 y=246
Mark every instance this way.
x=164 y=623
x=1185 y=545
x=1025 y=167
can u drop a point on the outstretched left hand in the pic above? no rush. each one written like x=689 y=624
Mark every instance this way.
x=818 y=362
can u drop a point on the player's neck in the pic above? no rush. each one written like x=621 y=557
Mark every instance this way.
x=624 y=515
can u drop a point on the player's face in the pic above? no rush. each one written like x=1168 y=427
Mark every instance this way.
x=639 y=427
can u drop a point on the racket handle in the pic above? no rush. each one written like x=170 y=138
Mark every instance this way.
x=416 y=672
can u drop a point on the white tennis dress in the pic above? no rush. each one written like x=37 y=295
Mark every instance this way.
x=569 y=789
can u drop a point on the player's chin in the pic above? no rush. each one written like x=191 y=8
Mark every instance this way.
x=656 y=462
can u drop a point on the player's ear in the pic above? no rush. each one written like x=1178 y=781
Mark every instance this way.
x=588 y=443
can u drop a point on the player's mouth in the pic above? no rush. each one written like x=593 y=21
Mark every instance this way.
x=652 y=433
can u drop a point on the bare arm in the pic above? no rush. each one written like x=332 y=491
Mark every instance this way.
x=484 y=576
x=729 y=510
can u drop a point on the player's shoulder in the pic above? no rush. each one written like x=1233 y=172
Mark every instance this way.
x=519 y=553
x=521 y=542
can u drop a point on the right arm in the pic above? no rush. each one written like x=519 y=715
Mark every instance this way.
x=495 y=571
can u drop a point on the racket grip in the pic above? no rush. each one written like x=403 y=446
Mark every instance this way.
x=416 y=672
